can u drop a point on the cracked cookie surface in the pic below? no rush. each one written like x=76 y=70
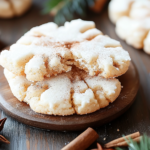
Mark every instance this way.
x=65 y=94
x=65 y=70
x=49 y=50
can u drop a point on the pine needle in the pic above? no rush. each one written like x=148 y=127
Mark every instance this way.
x=66 y=10
x=144 y=144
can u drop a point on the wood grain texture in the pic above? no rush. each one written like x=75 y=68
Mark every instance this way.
x=22 y=112
x=137 y=118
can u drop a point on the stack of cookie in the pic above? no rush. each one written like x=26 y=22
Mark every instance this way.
x=65 y=70
x=132 y=19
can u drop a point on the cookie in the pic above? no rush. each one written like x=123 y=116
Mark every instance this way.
x=140 y=9
x=5 y=9
x=101 y=56
x=132 y=18
x=65 y=94
x=11 y=8
x=135 y=9
x=118 y=9
x=39 y=54
x=35 y=61
x=147 y=44
x=74 y=31
x=133 y=31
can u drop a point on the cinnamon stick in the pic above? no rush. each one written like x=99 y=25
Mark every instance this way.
x=108 y=149
x=120 y=140
x=83 y=141
x=3 y=139
x=125 y=143
x=99 y=147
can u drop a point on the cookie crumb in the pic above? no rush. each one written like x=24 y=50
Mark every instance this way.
x=118 y=130
x=104 y=139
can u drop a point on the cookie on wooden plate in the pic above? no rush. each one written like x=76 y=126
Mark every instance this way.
x=65 y=94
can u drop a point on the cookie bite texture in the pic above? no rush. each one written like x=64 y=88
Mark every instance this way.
x=36 y=62
x=49 y=50
x=101 y=56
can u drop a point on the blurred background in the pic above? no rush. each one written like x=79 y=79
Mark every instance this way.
x=18 y=16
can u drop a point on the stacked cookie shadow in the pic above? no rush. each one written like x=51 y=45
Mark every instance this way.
x=132 y=19
x=65 y=70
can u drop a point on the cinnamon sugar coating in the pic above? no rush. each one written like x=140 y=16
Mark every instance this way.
x=47 y=51
x=65 y=70
x=65 y=94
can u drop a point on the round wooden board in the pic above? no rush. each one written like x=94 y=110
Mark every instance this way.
x=22 y=112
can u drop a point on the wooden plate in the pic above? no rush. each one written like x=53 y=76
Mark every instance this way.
x=22 y=112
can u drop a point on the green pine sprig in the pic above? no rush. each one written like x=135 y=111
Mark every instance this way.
x=144 y=144
x=67 y=9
